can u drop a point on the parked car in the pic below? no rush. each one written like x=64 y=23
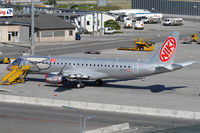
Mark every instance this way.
x=109 y=30
x=139 y=25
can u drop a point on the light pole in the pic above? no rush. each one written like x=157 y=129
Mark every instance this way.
x=78 y=110
x=32 y=28
x=196 y=9
x=85 y=121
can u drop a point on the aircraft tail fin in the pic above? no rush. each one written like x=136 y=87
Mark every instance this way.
x=165 y=54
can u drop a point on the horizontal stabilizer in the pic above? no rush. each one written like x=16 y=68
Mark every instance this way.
x=186 y=63
x=173 y=67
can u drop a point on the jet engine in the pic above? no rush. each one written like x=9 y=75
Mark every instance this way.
x=53 y=79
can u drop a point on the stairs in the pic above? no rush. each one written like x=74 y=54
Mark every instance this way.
x=16 y=75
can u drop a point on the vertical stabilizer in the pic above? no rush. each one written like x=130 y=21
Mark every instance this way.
x=165 y=54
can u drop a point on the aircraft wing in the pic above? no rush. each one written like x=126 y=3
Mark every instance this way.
x=83 y=74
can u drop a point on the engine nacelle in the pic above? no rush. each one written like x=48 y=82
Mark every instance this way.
x=53 y=79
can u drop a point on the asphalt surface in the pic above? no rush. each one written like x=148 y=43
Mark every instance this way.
x=18 y=118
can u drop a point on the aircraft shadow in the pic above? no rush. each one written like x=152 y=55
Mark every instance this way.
x=36 y=79
x=69 y=85
x=153 y=88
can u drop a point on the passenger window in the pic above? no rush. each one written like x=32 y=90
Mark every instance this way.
x=108 y=65
x=128 y=66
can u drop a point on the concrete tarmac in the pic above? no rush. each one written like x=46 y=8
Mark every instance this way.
x=177 y=90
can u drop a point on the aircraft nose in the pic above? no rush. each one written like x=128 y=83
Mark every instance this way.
x=9 y=67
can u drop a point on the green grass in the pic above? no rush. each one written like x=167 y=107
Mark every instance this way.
x=111 y=4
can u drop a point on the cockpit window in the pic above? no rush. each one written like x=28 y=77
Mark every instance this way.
x=17 y=62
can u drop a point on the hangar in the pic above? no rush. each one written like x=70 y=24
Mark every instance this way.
x=182 y=7
x=48 y=28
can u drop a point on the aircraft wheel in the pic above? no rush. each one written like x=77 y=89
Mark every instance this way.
x=80 y=85
x=99 y=82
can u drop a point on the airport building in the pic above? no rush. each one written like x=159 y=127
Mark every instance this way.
x=184 y=7
x=48 y=28
x=92 y=21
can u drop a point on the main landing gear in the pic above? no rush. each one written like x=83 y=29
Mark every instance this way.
x=98 y=82
x=80 y=85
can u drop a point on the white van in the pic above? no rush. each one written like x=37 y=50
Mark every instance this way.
x=172 y=21
x=109 y=30
x=139 y=25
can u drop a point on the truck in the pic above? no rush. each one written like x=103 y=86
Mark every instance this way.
x=173 y=21
x=151 y=20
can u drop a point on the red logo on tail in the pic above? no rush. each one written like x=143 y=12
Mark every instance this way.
x=167 y=49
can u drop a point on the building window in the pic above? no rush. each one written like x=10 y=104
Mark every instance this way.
x=46 y=34
x=59 y=33
x=88 y=22
x=13 y=33
x=70 y=32
x=79 y=22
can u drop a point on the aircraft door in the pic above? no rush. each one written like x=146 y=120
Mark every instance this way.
x=135 y=69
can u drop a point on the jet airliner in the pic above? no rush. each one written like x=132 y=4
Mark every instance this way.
x=59 y=68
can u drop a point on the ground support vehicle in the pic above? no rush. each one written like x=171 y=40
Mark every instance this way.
x=173 y=21
x=195 y=37
x=139 y=44
x=139 y=25
x=6 y=60
x=16 y=75
x=128 y=24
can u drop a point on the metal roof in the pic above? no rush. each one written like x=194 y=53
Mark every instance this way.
x=42 y=22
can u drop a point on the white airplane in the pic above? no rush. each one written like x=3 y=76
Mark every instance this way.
x=58 y=68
